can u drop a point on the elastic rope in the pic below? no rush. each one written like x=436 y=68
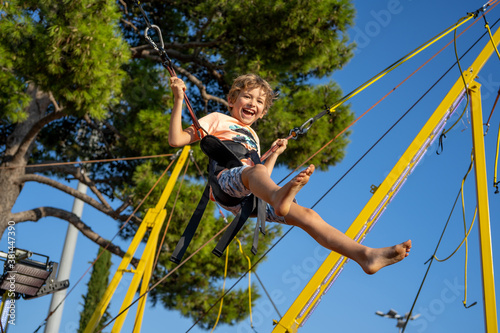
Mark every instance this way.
x=294 y=132
x=223 y=287
x=249 y=281
x=268 y=296
x=430 y=261
x=243 y=275
x=463 y=216
x=167 y=63
x=486 y=25
x=495 y=182
x=401 y=61
x=464 y=240
x=443 y=134
x=164 y=278
x=492 y=110
x=85 y=162
x=171 y=214
x=390 y=92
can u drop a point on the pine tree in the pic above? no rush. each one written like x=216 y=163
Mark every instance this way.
x=79 y=82
x=96 y=287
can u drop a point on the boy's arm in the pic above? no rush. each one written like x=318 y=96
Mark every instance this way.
x=177 y=136
x=271 y=160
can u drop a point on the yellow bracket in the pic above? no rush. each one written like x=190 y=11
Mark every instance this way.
x=153 y=220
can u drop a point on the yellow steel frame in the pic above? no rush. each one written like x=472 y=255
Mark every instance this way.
x=490 y=309
x=330 y=269
x=152 y=221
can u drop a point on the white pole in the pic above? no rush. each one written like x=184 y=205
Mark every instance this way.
x=54 y=321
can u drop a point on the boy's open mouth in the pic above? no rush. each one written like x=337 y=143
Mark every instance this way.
x=248 y=112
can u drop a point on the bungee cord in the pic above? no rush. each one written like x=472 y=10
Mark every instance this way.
x=434 y=257
x=390 y=92
x=446 y=72
x=44 y=165
x=302 y=130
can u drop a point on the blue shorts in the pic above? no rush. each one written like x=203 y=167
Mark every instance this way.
x=231 y=183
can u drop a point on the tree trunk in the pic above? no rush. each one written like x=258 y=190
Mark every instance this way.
x=13 y=165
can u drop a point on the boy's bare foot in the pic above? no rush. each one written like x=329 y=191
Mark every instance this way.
x=379 y=258
x=283 y=198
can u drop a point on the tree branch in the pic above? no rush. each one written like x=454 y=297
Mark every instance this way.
x=32 y=134
x=147 y=52
x=37 y=213
x=76 y=172
x=53 y=100
x=68 y=169
x=201 y=86
x=71 y=191
x=130 y=24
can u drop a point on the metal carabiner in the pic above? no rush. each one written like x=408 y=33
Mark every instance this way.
x=150 y=40
x=306 y=126
x=295 y=132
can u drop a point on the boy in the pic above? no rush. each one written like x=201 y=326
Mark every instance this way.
x=249 y=100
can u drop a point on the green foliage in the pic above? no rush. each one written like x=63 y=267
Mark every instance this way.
x=78 y=52
x=96 y=287
x=72 y=49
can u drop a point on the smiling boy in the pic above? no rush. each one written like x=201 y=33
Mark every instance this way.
x=249 y=100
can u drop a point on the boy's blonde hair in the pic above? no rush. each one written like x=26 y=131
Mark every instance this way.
x=251 y=81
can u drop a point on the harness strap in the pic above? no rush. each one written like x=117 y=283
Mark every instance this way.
x=249 y=206
x=221 y=157
x=190 y=230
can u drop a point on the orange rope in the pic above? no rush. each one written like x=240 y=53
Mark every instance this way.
x=380 y=100
x=99 y=255
x=164 y=277
x=85 y=162
x=171 y=214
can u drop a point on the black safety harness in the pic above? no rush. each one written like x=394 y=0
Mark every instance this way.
x=224 y=155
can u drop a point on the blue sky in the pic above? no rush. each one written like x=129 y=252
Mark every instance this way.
x=385 y=31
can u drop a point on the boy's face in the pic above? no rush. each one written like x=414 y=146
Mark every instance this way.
x=249 y=105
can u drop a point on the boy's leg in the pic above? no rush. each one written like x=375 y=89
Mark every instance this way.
x=370 y=259
x=258 y=181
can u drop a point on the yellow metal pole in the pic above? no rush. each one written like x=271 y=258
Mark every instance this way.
x=153 y=216
x=331 y=268
x=115 y=281
x=139 y=272
x=145 y=284
x=173 y=178
x=490 y=309
x=144 y=273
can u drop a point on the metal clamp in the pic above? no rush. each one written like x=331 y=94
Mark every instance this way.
x=295 y=132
